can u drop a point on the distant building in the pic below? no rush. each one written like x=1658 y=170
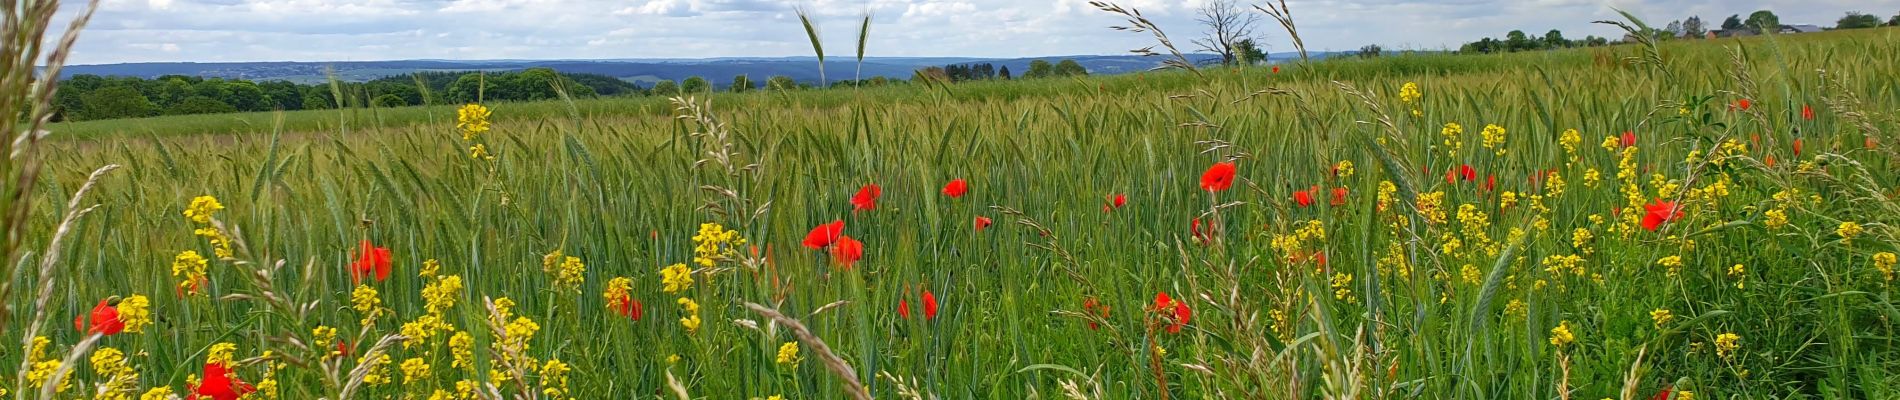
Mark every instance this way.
x=1800 y=28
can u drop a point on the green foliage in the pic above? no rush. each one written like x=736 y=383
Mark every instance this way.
x=199 y=105
x=1856 y=20
x=1763 y=21
x=1068 y=68
x=666 y=87
x=1040 y=69
x=114 y=102
x=388 y=101
x=741 y=84
x=695 y=85
x=780 y=82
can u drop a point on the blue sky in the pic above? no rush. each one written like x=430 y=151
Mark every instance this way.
x=364 y=30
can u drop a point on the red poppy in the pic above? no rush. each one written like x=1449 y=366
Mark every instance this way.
x=105 y=320
x=1467 y=172
x=1807 y=112
x=1175 y=312
x=370 y=260
x=847 y=251
x=956 y=188
x=1661 y=395
x=1339 y=196
x=903 y=308
x=1769 y=161
x=1202 y=236
x=1797 y=147
x=1218 y=177
x=1869 y=142
x=930 y=305
x=824 y=235
x=1320 y=258
x=1303 y=198
x=1490 y=182
x=982 y=223
x=1091 y=306
x=343 y=348
x=1629 y=138
x=1276 y=69
x=866 y=199
x=220 y=383
x=1118 y=200
x=1743 y=104
x=1660 y=212
x=1451 y=177
x=630 y=308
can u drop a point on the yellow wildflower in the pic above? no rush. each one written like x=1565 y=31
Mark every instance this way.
x=1493 y=136
x=429 y=268
x=1775 y=218
x=223 y=353
x=1570 y=139
x=1674 y=263
x=1451 y=132
x=440 y=295
x=1848 y=230
x=1343 y=169
x=472 y=119
x=554 y=379
x=619 y=291
x=788 y=354
x=677 y=278
x=135 y=312
x=1560 y=336
x=157 y=393
x=366 y=302
x=1726 y=344
x=1884 y=262
x=415 y=370
x=1661 y=316
x=189 y=268
x=568 y=273
x=202 y=209
x=378 y=369
x=462 y=350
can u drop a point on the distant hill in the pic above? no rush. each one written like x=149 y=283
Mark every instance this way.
x=719 y=71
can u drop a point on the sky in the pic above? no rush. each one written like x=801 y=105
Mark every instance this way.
x=372 y=30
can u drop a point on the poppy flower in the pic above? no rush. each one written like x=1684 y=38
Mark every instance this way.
x=824 y=235
x=1319 y=259
x=1660 y=212
x=866 y=199
x=220 y=383
x=1276 y=69
x=956 y=188
x=630 y=308
x=930 y=305
x=1175 y=312
x=903 y=308
x=1661 y=395
x=1797 y=147
x=342 y=348
x=847 y=251
x=1115 y=201
x=1303 y=198
x=104 y=320
x=1199 y=235
x=1869 y=142
x=1629 y=138
x=1743 y=104
x=1339 y=196
x=1091 y=306
x=1467 y=172
x=1769 y=161
x=982 y=223
x=1490 y=182
x=1218 y=177
x=370 y=260
x=1807 y=113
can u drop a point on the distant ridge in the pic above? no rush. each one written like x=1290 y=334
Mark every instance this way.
x=717 y=70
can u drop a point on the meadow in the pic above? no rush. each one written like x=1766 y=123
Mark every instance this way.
x=1698 y=219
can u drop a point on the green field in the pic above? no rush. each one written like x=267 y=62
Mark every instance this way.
x=1401 y=278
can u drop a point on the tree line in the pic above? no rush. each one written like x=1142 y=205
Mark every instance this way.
x=94 y=97
x=1758 y=22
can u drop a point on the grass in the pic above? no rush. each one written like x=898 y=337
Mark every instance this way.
x=1394 y=311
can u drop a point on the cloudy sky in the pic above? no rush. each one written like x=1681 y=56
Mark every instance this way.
x=366 y=30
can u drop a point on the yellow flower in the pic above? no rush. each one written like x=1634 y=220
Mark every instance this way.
x=1471 y=274
x=107 y=361
x=1662 y=316
x=1685 y=395
x=415 y=370
x=1343 y=168
x=439 y=296
x=1580 y=239
x=1611 y=143
x=1884 y=262
x=1775 y=218
x=202 y=209
x=1726 y=344
x=423 y=328
x=1342 y=287
x=480 y=152
x=429 y=268
x=619 y=291
x=1493 y=136
x=462 y=350
x=714 y=243
x=691 y=321
x=677 y=278
x=366 y=302
x=472 y=119
x=189 y=268
x=1516 y=307
x=222 y=353
x=568 y=274
x=220 y=244
x=672 y=358
x=378 y=369
x=1560 y=336
x=1674 y=263
x=554 y=379
x=1451 y=132
x=788 y=354
x=1409 y=93
x=520 y=332
x=136 y=312
x=1570 y=139
x=157 y=393
x=1848 y=230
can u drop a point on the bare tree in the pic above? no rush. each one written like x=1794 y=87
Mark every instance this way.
x=1227 y=25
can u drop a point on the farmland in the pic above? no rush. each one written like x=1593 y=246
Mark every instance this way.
x=1708 y=218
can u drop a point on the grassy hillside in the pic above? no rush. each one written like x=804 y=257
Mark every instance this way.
x=1353 y=256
